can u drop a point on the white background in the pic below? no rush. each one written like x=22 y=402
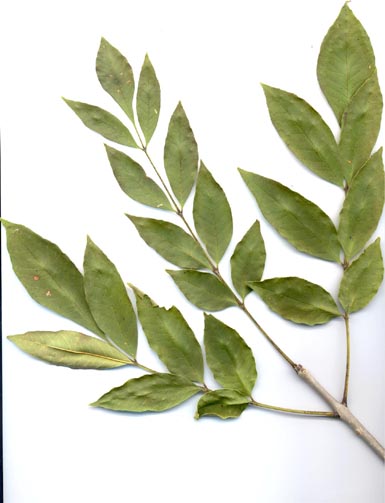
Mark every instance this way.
x=56 y=179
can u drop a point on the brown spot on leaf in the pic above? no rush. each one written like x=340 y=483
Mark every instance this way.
x=36 y=277
x=48 y=293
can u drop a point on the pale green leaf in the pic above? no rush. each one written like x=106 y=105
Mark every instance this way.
x=248 y=260
x=134 y=182
x=362 y=206
x=345 y=62
x=362 y=279
x=297 y=219
x=212 y=215
x=360 y=126
x=171 y=338
x=70 y=349
x=108 y=299
x=223 y=403
x=48 y=275
x=305 y=134
x=115 y=76
x=155 y=392
x=148 y=99
x=230 y=359
x=171 y=242
x=180 y=155
x=102 y=122
x=204 y=290
x=297 y=300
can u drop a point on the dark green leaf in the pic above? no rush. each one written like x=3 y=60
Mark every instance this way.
x=171 y=242
x=108 y=299
x=171 y=338
x=230 y=359
x=155 y=392
x=102 y=122
x=297 y=219
x=248 y=260
x=180 y=155
x=48 y=275
x=360 y=126
x=70 y=349
x=115 y=75
x=362 y=279
x=362 y=207
x=134 y=181
x=148 y=99
x=305 y=133
x=212 y=215
x=345 y=61
x=297 y=300
x=223 y=403
x=204 y=290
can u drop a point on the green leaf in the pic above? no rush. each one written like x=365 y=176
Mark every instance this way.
x=362 y=279
x=48 y=275
x=171 y=242
x=230 y=359
x=362 y=206
x=180 y=155
x=204 y=290
x=108 y=299
x=297 y=219
x=70 y=349
x=171 y=338
x=115 y=76
x=360 y=126
x=134 y=182
x=297 y=300
x=102 y=122
x=248 y=260
x=155 y=392
x=345 y=62
x=148 y=99
x=305 y=134
x=212 y=215
x=223 y=403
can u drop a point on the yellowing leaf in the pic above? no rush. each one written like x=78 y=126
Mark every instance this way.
x=70 y=349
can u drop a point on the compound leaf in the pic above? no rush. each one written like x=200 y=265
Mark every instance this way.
x=154 y=392
x=148 y=99
x=362 y=206
x=212 y=214
x=204 y=290
x=305 y=134
x=362 y=279
x=230 y=359
x=108 y=299
x=345 y=62
x=115 y=76
x=102 y=122
x=297 y=219
x=171 y=242
x=70 y=349
x=223 y=403
x=180 y=155
x=48 y=275
x=248 y=260
x=134 y=182
x=297 y=300
x=171 y=338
